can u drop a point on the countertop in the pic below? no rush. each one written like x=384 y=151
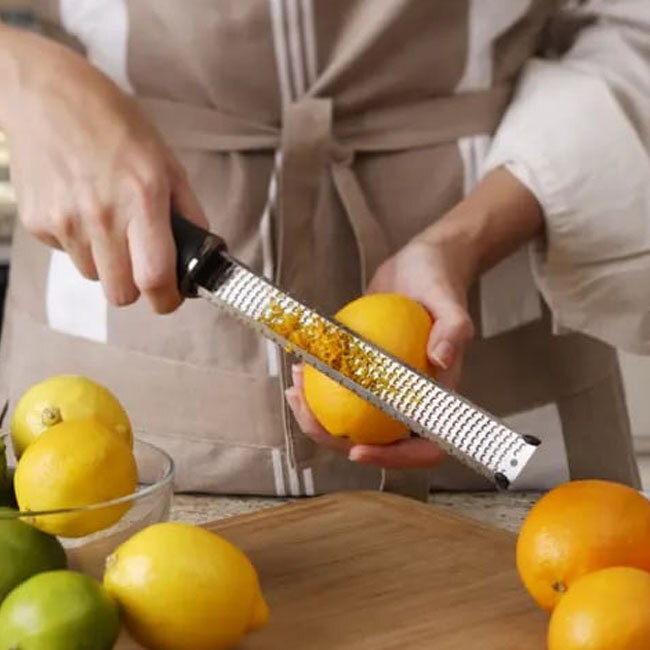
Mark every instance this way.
x=503 y=510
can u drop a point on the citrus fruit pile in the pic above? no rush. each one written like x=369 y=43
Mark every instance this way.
x=583 y=554
x=174 y=586
x=42 y=604
x=73 y=442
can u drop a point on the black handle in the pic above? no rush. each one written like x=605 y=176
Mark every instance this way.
x=196 y=250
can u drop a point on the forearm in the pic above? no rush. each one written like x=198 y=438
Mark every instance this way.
x=578 y=129
x=18 y=55
x=7 y=71
x=31 y=65
x=494 y=220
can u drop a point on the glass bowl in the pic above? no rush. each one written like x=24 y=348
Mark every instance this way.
x=149 y=504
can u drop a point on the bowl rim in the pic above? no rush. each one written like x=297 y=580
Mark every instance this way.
x=10 y=513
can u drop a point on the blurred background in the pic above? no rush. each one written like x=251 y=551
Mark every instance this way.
x=636 y=370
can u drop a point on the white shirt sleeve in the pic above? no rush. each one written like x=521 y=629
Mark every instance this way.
x=577 y=134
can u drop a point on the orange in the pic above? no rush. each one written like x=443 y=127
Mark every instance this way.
x=581 y=527
x=393 y=322
x=606 y=610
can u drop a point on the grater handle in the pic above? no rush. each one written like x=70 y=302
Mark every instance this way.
x=196 y=250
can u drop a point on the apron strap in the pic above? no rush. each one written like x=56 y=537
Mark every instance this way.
x=306 y=149
x=372 y=245
x=305 y=141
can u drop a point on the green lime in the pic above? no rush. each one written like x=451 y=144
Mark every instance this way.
x=25 y=551
x=59 y=610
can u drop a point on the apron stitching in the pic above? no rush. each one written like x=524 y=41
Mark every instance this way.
x=294 y=480
x=266 y=230
x=284 y=75
x=308 y=481
x=309 y=33
x=287 y=39
x=278 y=476
x=295 y=47
x=281 y=58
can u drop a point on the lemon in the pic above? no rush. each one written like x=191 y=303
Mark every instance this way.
x=181 y=587
x=65 y=398
x=75 y=463
x=59 y=610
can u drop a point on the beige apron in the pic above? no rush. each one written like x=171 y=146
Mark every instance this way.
x=320 y=137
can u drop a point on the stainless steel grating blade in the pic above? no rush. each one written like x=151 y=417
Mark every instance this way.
x=429 y=410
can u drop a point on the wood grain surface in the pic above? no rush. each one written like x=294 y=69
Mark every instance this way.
x=372 y=571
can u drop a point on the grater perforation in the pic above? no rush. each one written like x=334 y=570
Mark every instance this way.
x=484 y=430
x=426 y=408
x=448 y=420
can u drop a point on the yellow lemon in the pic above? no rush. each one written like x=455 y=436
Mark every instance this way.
x=604 y=610
x=181 y=587
x=61 y=399
x=75 y=463
x=396 y=324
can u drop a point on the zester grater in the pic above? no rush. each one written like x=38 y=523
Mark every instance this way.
x=463 y=430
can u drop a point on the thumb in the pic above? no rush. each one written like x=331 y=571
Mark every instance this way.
x=452 y=331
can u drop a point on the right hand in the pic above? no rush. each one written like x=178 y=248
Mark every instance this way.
x=92 y=176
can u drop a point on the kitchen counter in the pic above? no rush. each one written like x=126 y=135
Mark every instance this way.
x=503 y=510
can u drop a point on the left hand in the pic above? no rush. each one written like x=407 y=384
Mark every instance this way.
x=437 y=278
x=436 y=269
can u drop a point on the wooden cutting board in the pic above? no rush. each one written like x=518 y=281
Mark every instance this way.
x=372 y=571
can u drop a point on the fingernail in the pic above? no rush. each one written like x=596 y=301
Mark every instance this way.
x=354 y=454
x=295 y=369
x=290 y=395
x=443 y=355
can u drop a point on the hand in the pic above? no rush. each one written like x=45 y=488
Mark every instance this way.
x=436 y=269
x=407 y=453
x=91 y=174
x=437 y=278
